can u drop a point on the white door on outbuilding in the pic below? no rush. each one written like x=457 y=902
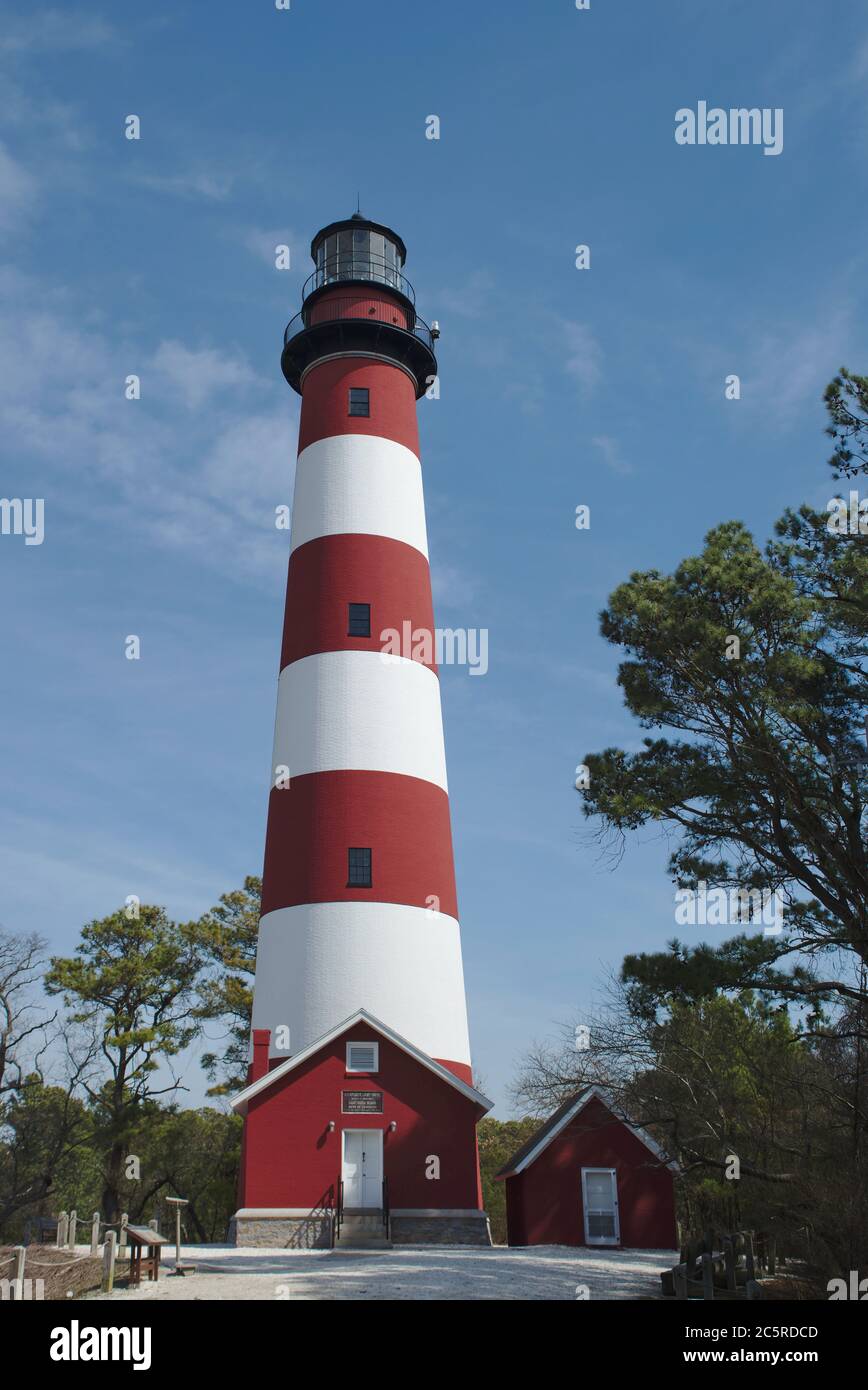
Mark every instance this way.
x=600 y=1206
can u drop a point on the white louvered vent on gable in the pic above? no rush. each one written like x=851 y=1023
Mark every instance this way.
x=363 y=1056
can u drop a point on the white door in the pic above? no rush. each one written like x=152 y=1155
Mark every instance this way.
x=600 y=1203
x=363 y=1168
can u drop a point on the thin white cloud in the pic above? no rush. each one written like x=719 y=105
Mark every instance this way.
x=470 y=300
x=789 y=368
x=18 y=192
x=194 y=375
x=197 y=183
x=250 y=467
x=263 y=243
x=583 y=355
x=611 y=453
x=859 y=66
x=47 y=31
x=199 y=463
x=528 y=390
x=32 y=114
x=452 y=586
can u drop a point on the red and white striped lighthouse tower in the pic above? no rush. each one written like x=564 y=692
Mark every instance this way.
x=359 y=921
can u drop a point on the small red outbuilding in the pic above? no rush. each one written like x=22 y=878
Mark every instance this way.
x=589 y=1176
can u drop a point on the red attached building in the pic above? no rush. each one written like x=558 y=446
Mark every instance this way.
x=358 y=1105
x=588 y=1176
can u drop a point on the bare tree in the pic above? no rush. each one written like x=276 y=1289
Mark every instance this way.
x=22 y=1025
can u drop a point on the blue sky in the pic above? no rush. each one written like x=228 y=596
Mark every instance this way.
x=559 y=387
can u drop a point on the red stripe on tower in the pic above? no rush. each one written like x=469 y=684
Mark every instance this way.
x=328 y=574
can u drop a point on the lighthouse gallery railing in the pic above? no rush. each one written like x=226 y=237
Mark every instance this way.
x=337 y=310
x=371 y=269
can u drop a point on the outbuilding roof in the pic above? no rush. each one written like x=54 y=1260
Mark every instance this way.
x=539 y=1141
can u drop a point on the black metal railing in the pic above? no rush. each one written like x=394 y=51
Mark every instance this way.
x=339 y=1212
x=386 y=1213
x=375 y=269
x=349 y=310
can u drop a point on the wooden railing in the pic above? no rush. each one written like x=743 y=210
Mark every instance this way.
x=721 y=1267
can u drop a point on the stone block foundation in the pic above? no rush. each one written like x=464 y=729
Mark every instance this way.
x=298 y=1230
x=440 y=1228
x=282 y=1230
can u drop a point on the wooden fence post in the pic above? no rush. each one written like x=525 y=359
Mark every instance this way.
x=122 y=1234
x=62 y=1226
x=94 y=1234
x=20 y=1257
x=108 y=1262
x=707 y=1275
x=71 y=1230
x=748 y=1256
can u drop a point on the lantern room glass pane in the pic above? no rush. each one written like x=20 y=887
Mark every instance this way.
x=330 y=268
x=361 y=255
x=345 y=255
x=378 y=262
x=390 y=274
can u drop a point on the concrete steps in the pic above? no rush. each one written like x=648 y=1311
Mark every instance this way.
x=363 y=1230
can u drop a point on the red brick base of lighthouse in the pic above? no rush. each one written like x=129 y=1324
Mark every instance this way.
x=311 y=1118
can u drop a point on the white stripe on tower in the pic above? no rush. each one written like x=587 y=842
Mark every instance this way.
x=358 y=484
x=318 y=953
x=358 y=710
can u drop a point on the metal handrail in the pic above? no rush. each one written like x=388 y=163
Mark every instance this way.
x=330 y=311
x=339 y=1212
x=368 y=269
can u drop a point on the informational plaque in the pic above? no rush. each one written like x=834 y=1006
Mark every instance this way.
x=362 y=1102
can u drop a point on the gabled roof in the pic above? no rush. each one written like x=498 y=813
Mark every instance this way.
x=540 y=1140
x=360 y=1016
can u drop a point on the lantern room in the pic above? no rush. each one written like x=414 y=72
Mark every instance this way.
x=357 y=249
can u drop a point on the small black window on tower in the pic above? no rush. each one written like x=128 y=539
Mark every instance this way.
x=360 y=400
x=359 y=622
x=359 y=875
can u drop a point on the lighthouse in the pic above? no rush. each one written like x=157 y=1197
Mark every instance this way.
x=360 y=1109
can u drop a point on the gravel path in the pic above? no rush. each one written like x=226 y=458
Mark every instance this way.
x=410 y=1272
